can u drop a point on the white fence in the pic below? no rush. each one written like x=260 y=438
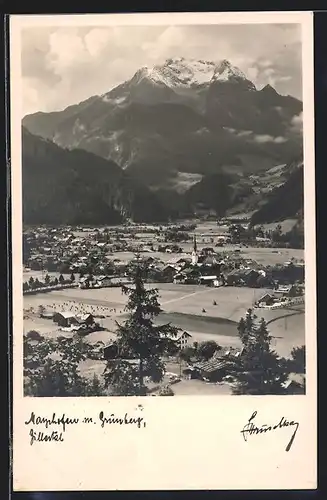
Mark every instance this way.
x=45 y=289
x=281 y=305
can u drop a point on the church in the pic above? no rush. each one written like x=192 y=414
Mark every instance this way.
x=195 y=256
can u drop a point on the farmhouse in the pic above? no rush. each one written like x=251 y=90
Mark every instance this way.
x=212 y=371
x=47 y=315
x=209 y=280
x=182 y=261
x=295 y=384
x=234 y=277
x=182 y=340
x=86 y=319
x=167 y=273
x=146 y=259
x=104 y=281
x=209 y=261
x=190 y=276
x=284 y=290
x=248 y=277
x=65 y=319
x=179 y=278
x=267 y=299
x=220 y=365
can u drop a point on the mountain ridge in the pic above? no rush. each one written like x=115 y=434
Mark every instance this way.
x=186 y=116
x=73 y=187
x=77 y=187
x=177 y=132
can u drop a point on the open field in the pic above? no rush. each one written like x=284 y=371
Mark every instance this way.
x=265 y=256
x=182 y=306
x=268 y=256
x=232 y=302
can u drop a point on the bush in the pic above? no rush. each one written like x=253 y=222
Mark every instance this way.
x=207 y=349
x=187 y=353
x=166 y=391
x=48 y=375
x=34 y=335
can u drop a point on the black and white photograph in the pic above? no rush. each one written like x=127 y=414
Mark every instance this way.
x=163 y=210
x=163 y=244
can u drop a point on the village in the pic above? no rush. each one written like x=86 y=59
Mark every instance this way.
x=207 y=275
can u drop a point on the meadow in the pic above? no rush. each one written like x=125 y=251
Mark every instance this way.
x=189 y=307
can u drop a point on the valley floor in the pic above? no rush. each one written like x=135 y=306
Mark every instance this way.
x=182 y=306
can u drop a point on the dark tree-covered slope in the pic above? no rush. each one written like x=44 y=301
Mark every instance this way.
x=285 y=201
x=77 y=187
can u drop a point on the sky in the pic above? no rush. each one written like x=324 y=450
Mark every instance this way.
x=66 y=65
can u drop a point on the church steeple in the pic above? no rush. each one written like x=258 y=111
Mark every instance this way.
x=195 y=252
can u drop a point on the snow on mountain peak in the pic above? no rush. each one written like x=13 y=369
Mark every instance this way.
x=226 y=71
x=181 y=72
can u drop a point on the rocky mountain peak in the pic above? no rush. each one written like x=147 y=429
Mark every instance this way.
x=182 y=72
x=269 y=89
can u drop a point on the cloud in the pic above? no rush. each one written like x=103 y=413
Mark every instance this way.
x=265 y=63
x=268 y=72
x=65 y=65
x=259 y=138
x=253 y=74
x=96 y=41
x=30 y=94
x=245 y=133
x=285 y=78
x=264 y=138
x=280 y=140
x=66 y=49
x=297 y=124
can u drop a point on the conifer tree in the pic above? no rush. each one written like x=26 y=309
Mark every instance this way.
x=140 y=339
x=259 y=370
x=298 y=359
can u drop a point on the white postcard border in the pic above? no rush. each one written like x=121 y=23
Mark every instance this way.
x=188 y=442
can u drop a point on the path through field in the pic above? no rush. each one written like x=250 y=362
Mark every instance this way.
x=187 y=296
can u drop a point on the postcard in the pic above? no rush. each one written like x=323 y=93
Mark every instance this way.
x=163 y=244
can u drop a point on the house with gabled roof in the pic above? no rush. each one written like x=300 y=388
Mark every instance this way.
x=65 y=319
x=222 y=363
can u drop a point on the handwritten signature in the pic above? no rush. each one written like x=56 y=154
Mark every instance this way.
x=251 y=428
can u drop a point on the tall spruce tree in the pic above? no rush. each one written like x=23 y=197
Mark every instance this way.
x=259 y=370
x=138 y=338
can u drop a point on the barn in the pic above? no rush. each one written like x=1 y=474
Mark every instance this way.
x=65 y=319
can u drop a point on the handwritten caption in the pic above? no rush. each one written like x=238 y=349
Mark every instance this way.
x=64 y=422
x=252 y=429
